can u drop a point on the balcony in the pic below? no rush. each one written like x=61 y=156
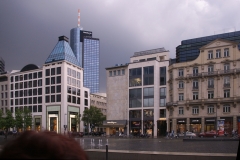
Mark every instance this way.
x=226 y=85
x=211 y=86
x=195 y=88
x=195 y=75
x=169 y=104
x=212 y=73
x=229 y=71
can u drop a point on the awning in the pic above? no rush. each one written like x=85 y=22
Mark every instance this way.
x=114 y=123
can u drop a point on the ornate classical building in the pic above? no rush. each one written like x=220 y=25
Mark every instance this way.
x=204 y=93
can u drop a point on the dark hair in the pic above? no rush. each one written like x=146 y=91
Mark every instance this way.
x=43 y=145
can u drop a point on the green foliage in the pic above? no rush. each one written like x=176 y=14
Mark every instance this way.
x=93 y=115
x=19 y=118
x=2 y=120
x=9 y=120
x=27 y=118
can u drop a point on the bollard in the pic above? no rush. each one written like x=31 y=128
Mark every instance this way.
x=106 y=152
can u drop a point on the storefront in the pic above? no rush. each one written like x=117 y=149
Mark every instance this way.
x=181 y=125
x=114 y=127
x=228 y=124
x=37 y=123
x=210 y=124
x=53 y=118
x=195 y=125
x=135 y=127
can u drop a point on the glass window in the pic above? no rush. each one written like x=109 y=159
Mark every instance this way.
x=47 y=98
x=226 y=52
x=69 y=89
x=35 y=75
x=47 y=90
x=86 y=102
x=34 y=108
x=73 y=90
x=210 y=83
x=181 y=97
x=181 y=84
x=180 y=110
x=12 y=79
x=52 y=89
x=135 y=77
x=69 y=98
x=135 y=114
x=180 y=73
x=34 y=100
x=39 y=74
x=39 y=108
x=35 y=83
x=195 y=95
x=74 y=73
x=58 y=89
x=69 y=71
x=58 y=79
x=58 y=70
x=195 y=84
x=52 y=98
x=39 y=91
x=226 y=93
x=163 y=92
x=210 y=94
x=226 y=108
x=39 y=99
x=123 y=71
x=25 y=76
x=86 y=94
x=148 y=97
x=210 y=109
x=30 y=76
x=148 y=75
x=195 y=110
x=162 y=76
x=30 y=92
x=78 y=92
x=47 y=72
x=210 y=54
x=52 y=71
x=30 y=100
x=78 y=75
x=74 y=99
x=162 y=102
x=58 y=97
x=52 y=80
x=39 y=82
x=30 y=84
x=218 y=53
x=21 y=77
x=135 y=98
x=16 y=86
x=78 y=100
x=162 y=113
x=47 y=81
x=16 y=78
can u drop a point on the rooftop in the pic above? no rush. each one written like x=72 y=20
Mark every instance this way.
x=152 y=51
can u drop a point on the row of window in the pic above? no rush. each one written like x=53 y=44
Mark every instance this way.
x=135 y=97
x=74 y=82
x=226 y=94
x=28 y=84
x=6 y=87
x=195 y=70
x=226 y=83
x=218 y=53
x=210 y=110
x=73 y=73
x=28 y=92
x=6 y=95
x=147 y=113
x=26 y=76
x=36 y=108
x=117 y=73
x=23 y=101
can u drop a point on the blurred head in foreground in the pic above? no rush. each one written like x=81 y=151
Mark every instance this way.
x=43 y=145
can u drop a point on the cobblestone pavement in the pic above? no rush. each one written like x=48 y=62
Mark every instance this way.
x=158 y=144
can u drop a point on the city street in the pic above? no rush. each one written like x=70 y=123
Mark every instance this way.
x=158 y=144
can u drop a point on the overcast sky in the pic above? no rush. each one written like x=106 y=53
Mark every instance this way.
x=29 y=29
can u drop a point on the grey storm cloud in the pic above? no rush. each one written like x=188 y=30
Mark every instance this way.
x=29 y=29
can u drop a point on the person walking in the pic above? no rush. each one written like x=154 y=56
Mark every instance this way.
x=172 y=134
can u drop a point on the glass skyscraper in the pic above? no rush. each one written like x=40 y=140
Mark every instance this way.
x=2 y=65
x=87 y=49
x=189 y=49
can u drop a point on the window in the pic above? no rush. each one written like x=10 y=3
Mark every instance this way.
x=39 y=108
x=210 y=54
x=162 y=102
x=69 y=71
x=195 y=95
x=25 y=76
x=85 y=102
x=226 y=108
x=162 y=113
x=210 y=83
x=195 y=71
x=210 y=94
x=6 y=94
x=39 y=82
x=47 y=72
x=78 y=92
x=69 y=80
x=86 y=94
x=119 y=73
x=195 y=84
x=39 y=99
x=123 y=71
x=69 y=98
x=58 y=89
x=58 y=70
x=47 y=99
x=58 y=79
x=195 y=110
x=148 y=75
x=180 y=73
x=162 y=76
x=148 y=97
x=47 y=81
x=226 y=80
x=226 y=68
x=52 y=98
x=78 y=75
x=226 y=93
x=74 y=73
x=210 y=69
x=39 y=91
x=110 y=73
x=52 y=80
x=181 y=97
x=58 y=97
x=181 y=84
x=52 y=71
x=180 y=110
x=34 y=108
x=52 y=89
x=6 y=87
x=35 y=75
x=135 y=98
x=210 y=109
x=226 y=52
x=115 y=73
x=218 y=53
x=39 y=74
x=135 y=77
x=47 y=90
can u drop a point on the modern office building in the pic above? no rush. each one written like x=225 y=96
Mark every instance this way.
x=137 y=94
x=189 y=49
x=2 y=65
x=204 y=93
x=87 y=51
x=54 y=92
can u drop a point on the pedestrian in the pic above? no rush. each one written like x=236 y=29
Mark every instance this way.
x=233 y=132
x=172 y=135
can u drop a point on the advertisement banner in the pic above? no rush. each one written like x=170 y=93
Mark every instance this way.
x=220 y=127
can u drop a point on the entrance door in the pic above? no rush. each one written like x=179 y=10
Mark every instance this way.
x=53 y=122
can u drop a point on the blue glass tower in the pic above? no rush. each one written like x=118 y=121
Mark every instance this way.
x=86 y=49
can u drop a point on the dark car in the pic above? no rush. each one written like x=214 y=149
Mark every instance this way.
x=213 y=134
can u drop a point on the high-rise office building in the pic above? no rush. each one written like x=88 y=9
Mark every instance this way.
x=2 y=65
x=86 y=49
x=189 y=49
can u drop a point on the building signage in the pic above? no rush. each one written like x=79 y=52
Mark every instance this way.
x=112 y=122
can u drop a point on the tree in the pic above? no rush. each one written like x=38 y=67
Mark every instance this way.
x=1 y=120
x=9 y=120
x=27 y=118
x=93 y=116
x=19 y=119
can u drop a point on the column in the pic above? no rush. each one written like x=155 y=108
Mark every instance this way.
x=235 y=123
x=188 y=124
x=202 y=124
x=174 y=124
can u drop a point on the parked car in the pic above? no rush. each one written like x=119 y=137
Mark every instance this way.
x=213 y=134
x=190 y=134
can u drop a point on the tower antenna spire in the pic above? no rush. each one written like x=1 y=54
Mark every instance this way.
x=78 y=17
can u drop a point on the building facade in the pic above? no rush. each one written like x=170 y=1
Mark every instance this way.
x=2 y=65
x=87 y=50
x=99 y=100
x=189 y=49
x=139 y=95
x=204 y=93
x=54 y=93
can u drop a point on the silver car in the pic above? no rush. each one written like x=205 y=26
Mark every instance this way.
x=190 y=134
